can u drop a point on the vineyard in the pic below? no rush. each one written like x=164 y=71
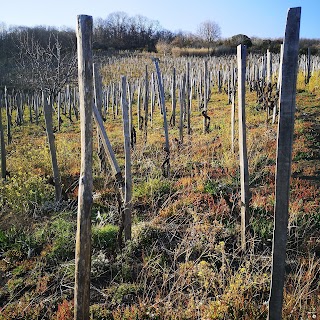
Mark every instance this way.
x=166 y=218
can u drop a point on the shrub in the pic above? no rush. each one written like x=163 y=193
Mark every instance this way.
x=104 y=237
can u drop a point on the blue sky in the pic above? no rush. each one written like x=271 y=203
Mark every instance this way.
x=261 y=18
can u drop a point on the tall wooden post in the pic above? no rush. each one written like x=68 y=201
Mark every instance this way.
x=174 y=99
x=244 y=172
x=166 y=163
x=83 y=237
x=127 y=147
x=139 y=107
x=3 y=149
x=59 y=110
x=182 y=107
x=308 y=66
x=188 y=99
x=8 y=113
x=269 y=66
x=276 y=106
x=233 y=112
x=284 y=157
x=146 y=99
x=49 y=128
x=163 y=107
x=205 y=97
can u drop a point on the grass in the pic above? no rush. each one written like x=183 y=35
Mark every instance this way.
x=185 y=251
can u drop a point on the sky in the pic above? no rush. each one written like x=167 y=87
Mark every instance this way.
x=254 y=18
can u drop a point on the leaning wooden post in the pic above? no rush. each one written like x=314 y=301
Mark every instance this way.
x=97 y=85
x=127 y=146
x=83 y=237
x=284 y=158
x=244 y=172
x=166 y=163
x=47 y=109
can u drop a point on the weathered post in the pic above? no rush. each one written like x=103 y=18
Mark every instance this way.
x=174 y=99
x=284 y=158
x=219 y=82
x=188 y=99
x=97 y=84
x=166 y=163
x=139 y=107
x=269 y=66
x=205 y=98
x=83 y=237
x=59 y=110
x=276 y=105
x=146 y=99
x=3 y=150
x=233 y=112
x=182 y=108
x=308 y=75
x=152 y=97
x=47 y=109
x=8 y=113
x=127 y=147
x=244 y=172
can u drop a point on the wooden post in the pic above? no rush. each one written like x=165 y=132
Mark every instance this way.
x=47 y=109
x=146 y=113
x=139 y=107
x=244 y=173
x=233 y=111
x=131 y=127
x=219 y=82
x=59 y=110
x=97 y=84
x=276 y=106
x=182 y=108
x=206 y=118
x=152 y=97
x=3 y=150
x=163 y=106
x=127 y=146
x=8 y=113
x=166 y=163
x=174 y=100
x=308 y=75
x=188 y=99
x=284 y=158
x=83 y=237
x=269 y=66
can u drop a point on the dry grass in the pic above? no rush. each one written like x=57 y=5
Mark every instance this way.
x=184 y=261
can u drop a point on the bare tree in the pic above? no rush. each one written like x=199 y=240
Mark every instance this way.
x=209 y=31
x=44 y=64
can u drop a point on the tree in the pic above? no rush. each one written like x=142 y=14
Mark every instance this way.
x=46 y=58
x=209 y=31
x=240 y=39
